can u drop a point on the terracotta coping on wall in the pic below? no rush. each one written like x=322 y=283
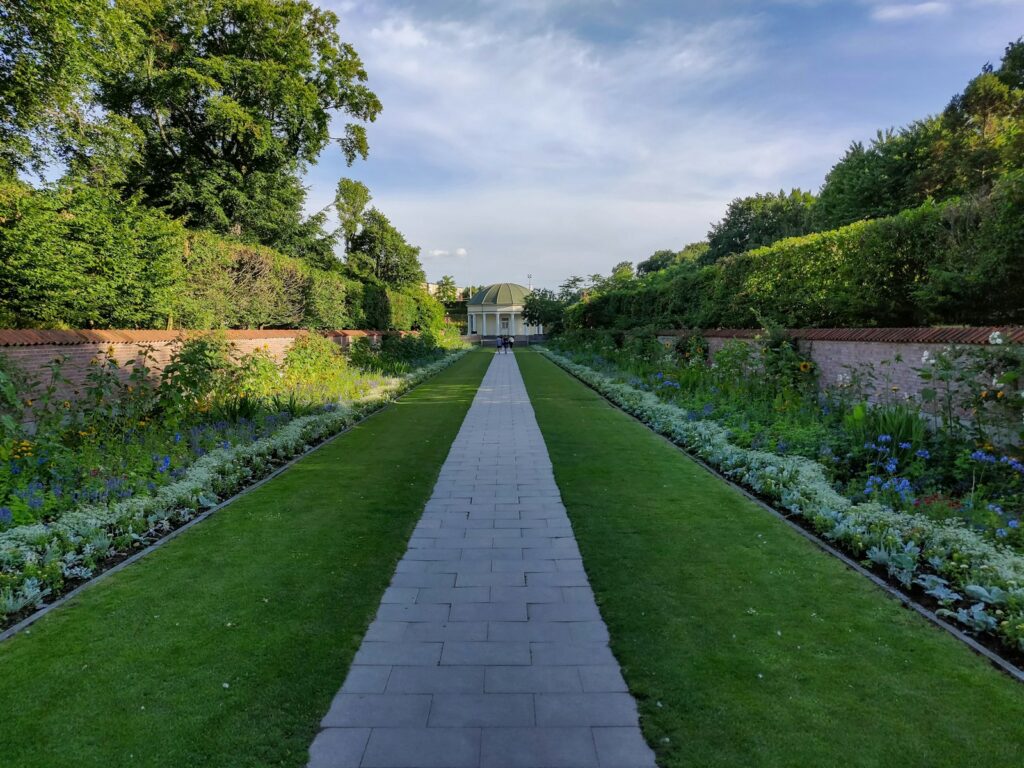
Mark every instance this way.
x=940 y=335
x=36 y=337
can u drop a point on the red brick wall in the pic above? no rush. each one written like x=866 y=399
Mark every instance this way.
x=33 y=351
x=893 y=362
x=893 y=352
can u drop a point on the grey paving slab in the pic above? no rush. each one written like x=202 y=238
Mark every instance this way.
x=488 y=648
x=538 y=747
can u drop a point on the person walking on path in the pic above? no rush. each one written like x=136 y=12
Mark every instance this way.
x=512 y=344
x=500 y=342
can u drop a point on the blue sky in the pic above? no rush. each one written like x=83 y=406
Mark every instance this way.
x=559 y=137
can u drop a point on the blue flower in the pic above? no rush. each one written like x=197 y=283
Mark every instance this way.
x=1014 y=523
x=905 y=446
x=923 y=454
x=885 y=438
x=996 y=508
x=708 y=409
x=1001 y=533
x=890 y=465
x=177 y=437
x=164 y=465
x=6 y=515
x=985 y=458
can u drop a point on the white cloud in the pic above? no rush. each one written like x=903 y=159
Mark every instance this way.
x=904 y=11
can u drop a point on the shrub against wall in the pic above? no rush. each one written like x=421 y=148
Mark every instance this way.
x=958 y=262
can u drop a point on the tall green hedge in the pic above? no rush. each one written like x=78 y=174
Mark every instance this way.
x=81 y=257
x=959 y=262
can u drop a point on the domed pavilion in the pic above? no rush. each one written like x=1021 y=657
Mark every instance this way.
x=497 y=310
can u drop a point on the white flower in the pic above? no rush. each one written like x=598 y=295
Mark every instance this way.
x=926 y=357
x=995 y=338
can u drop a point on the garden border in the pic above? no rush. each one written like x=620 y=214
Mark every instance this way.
x=32 y=618
x=907 y=601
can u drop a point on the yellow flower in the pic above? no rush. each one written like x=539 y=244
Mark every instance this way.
x=67 y=404
x=805 y=367
x=1000 y=393
x=984 y=393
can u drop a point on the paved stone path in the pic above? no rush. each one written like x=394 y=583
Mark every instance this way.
x=488 y=648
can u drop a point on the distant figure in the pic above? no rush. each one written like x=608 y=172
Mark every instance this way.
x=501 y=343
x=512 y=343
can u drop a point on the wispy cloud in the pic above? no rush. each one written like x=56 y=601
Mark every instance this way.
x=440 y=253
x=562 y=136
x=905 y=11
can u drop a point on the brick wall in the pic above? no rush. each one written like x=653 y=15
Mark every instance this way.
x=32 y=351
x=894 y=352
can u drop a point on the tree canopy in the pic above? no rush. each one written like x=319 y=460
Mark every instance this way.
x=232 y=99
x=761 y=219
x=381 y=251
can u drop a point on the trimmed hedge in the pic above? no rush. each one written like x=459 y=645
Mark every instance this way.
x=959 y=262
x=82 y=257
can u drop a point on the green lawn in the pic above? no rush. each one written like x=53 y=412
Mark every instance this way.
x=270 y=596
x=746 y=645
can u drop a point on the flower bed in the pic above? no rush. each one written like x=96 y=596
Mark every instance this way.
x=978 y=582
x=40 y=559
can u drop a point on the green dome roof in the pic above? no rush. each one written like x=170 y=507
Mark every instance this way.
x=501 y=294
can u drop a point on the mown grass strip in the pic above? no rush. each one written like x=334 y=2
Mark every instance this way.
x=224 y=647
x=744 y=643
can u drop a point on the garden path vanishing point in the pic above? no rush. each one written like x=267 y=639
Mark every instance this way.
x=488 y=648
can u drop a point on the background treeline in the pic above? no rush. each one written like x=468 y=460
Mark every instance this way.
x=924 y=225
x=151 y=162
